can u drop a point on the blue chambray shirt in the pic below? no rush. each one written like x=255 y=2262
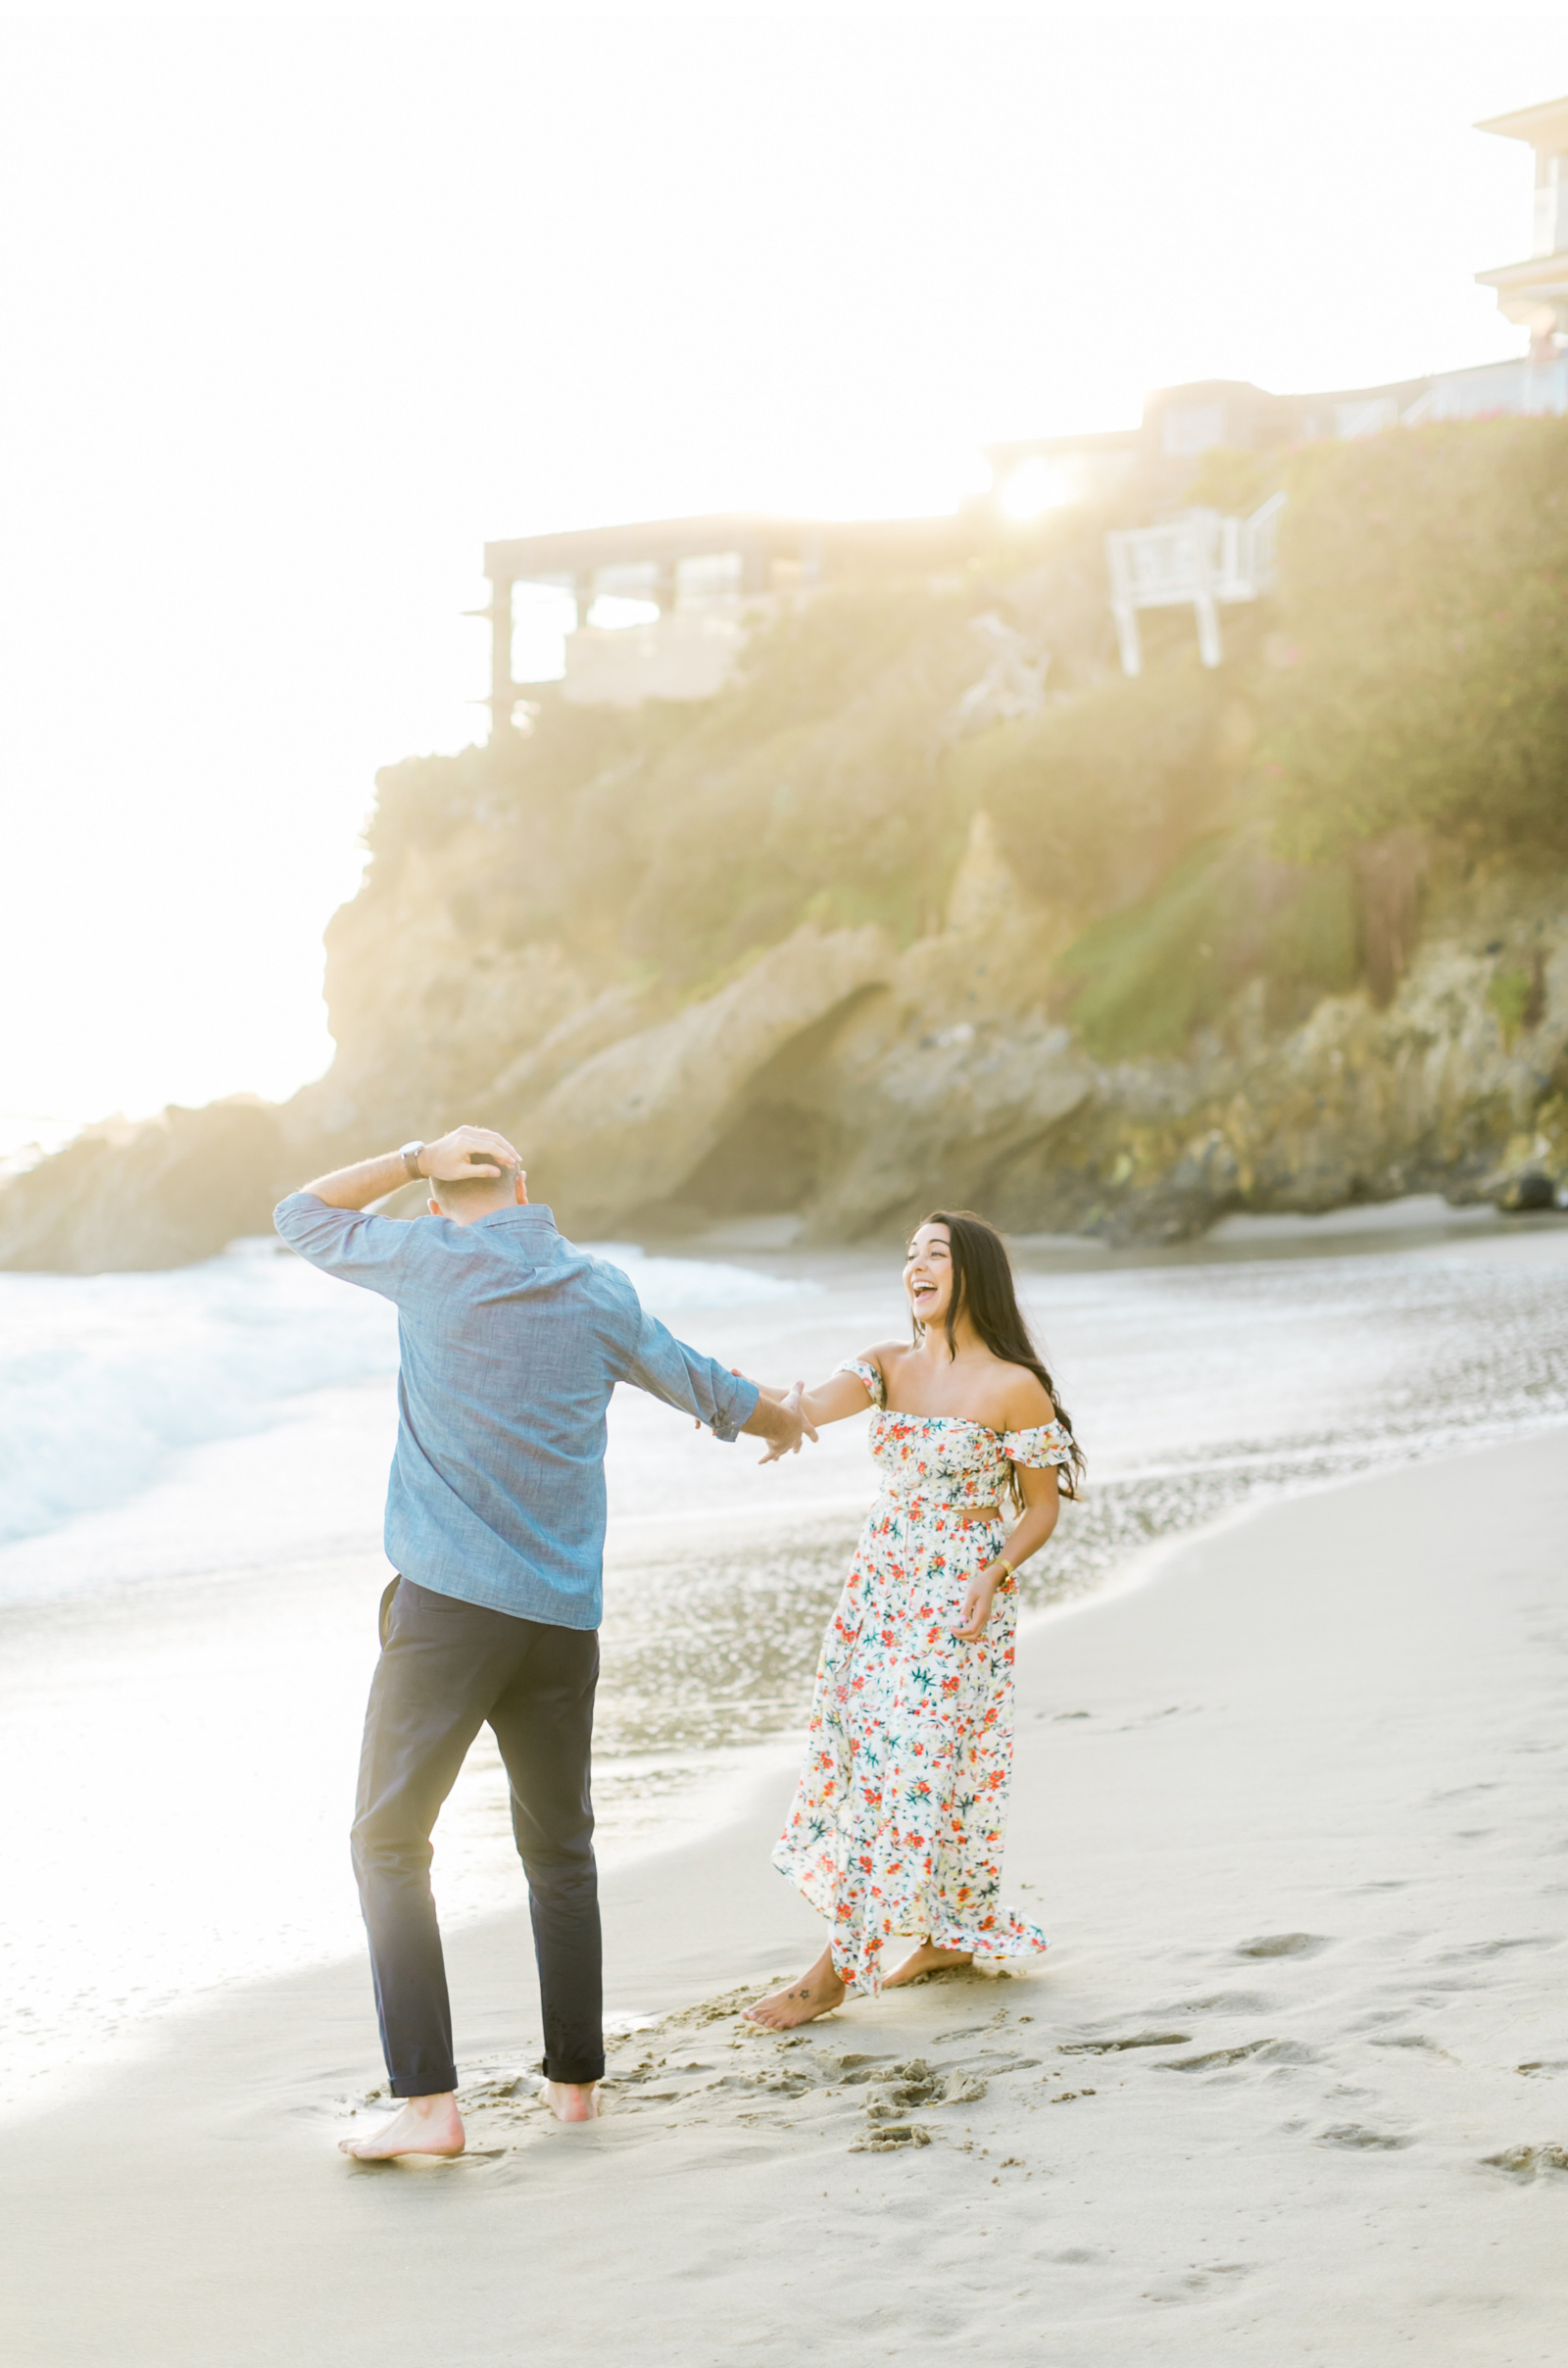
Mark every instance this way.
x=513 y=1341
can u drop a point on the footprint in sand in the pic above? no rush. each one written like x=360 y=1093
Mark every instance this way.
x=1529 y=2161
x=1217 y=2057
x=1283 y=1945
x=1219 y=2001
x=891 y=2135
x=1482 y=1950
x=1135 y=2039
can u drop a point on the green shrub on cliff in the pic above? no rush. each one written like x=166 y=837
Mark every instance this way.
x=1424 y=607
x=693 y=835
x=1097 y=796
x=817 y=787
x=1142 y=980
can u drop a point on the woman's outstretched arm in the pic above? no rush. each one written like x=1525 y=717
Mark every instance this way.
x=834 y=1399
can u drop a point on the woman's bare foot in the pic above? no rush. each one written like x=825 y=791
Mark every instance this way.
x=427 y=2125
x=926 y=1959
x=572 y=2099
x=816 y=1993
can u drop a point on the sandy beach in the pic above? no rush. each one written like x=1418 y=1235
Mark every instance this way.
x=1292 y=2084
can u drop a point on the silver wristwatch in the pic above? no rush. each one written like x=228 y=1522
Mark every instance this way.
x=409 y=1153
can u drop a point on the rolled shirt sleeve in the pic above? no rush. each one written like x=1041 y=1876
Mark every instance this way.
x=655 y=1360
x=350 y=1243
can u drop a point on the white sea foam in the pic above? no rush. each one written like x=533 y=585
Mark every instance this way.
x=670 y=1286
x=106 y=1378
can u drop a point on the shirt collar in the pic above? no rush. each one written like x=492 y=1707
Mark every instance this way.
x=529 y=1213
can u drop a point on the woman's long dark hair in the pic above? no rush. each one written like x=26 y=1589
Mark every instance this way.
x=983 y=1289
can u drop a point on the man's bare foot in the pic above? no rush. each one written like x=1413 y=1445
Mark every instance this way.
x=572 y=2099
x=816 y=1993
x=926 y=1959
x=427 y=2125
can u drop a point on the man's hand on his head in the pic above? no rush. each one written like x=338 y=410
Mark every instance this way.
x=467 y=1153
x=451 y=1159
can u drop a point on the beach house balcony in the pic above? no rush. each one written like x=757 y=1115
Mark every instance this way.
x=659 y=609
x=1200 y=560
x=1535 y=292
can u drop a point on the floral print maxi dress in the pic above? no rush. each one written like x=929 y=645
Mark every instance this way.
x=900 y=1816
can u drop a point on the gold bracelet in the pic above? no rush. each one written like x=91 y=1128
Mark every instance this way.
x=1007 y=1566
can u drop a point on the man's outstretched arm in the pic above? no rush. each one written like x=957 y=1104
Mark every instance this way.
x=724 y=1402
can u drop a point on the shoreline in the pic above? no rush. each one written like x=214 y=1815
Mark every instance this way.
x=1147 y=1565
x=710 y=1793
x=1294 y=1819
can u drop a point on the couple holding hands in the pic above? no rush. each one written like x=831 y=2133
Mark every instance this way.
x=512 y=1342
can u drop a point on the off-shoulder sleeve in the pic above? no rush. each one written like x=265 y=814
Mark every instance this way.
x=871 y=1375
x=1045 y=1444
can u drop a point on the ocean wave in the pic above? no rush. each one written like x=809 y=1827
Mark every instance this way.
x=106 y=1378
x=674 y=1286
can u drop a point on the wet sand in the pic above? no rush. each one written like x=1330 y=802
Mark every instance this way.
x=1293 y=2085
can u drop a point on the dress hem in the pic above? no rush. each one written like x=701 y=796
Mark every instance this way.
x=1025 y=1940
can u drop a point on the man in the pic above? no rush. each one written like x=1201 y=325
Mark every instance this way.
x=512 y=1342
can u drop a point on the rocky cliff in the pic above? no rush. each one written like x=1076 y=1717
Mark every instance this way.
x=849 y=1082
x=930 y=906
x=172 y=1189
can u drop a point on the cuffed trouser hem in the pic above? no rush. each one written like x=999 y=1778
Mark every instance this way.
x=577 y=2073
x=439 y=2083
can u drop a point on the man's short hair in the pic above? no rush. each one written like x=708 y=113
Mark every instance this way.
x=461 y=1192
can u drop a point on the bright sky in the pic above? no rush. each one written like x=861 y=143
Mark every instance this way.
x=301 y=308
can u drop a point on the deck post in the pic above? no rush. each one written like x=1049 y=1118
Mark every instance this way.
x=1208 y=641
x=504 y=692
x=1128 y=642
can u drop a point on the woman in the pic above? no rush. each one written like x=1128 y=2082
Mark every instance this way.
x=899 y=1820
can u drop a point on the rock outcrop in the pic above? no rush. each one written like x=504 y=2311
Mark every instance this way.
x=630 y=1125
x=849 y=1085
x=1457 y=1084
x=159 y=1194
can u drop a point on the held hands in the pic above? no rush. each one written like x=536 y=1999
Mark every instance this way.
x=465 y=1153
x=790 y=1424
x=975 y=1610
x=779 y=1416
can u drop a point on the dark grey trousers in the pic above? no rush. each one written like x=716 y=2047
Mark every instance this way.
x=446 y=1669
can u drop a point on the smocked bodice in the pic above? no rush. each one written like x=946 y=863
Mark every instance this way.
x=945 y=1460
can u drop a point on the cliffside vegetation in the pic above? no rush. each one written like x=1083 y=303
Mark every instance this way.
x=684 y=837
x=1425 y=606
x=932 y=903
x=1198 y=829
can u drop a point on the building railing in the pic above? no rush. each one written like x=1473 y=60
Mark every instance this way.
x=1200 y=560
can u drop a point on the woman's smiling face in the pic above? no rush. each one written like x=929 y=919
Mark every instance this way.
x=928 y=1275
